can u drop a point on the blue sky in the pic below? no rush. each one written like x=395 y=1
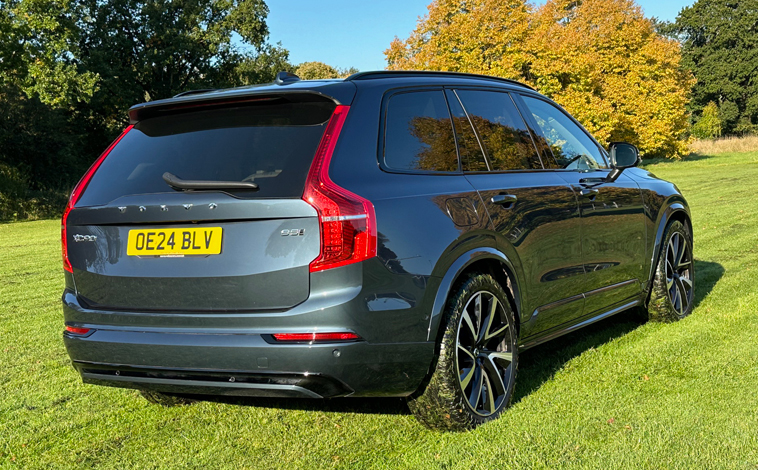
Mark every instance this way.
x=350 y=33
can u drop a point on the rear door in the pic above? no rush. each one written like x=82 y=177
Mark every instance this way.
x=137 y=244
x=534 y=210
x=613 y=216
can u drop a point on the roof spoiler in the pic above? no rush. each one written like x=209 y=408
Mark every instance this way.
x=213 y=100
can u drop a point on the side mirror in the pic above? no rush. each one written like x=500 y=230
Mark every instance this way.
x=623 y=156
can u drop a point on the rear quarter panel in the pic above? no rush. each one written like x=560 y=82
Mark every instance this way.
x=418 y=241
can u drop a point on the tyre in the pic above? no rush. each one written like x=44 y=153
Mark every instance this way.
x=165 y=399
x=673 y=289
x=473 y=379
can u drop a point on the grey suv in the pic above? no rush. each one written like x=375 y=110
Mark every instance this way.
x=396 y=234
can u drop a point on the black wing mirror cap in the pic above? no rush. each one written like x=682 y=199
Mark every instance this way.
x=623 y=156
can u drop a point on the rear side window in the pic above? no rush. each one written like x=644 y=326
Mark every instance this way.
x=472 y=157
x=270 y=143
x=419 y=134
x=502 y=132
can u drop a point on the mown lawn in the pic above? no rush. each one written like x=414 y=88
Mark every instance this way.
x=618 y=395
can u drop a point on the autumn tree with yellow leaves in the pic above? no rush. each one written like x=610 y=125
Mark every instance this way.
x=602 y=60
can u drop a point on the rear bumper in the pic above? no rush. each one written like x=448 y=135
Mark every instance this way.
x=217 y=355
x=237 y=383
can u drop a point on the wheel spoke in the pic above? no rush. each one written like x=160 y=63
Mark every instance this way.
x=680 y=254
x=676 y=242
x=466 y=352
x=496 y=332
x=670 y=255
x=669 y=283
x=466 y=377
x=676 y=299
x=489 y=403
x=478 y=314
x=683 y=300
x=496 y=379
x=476 y=390
x=484 y=334
x=502 y=355
x=487 y=324
x=470 y=324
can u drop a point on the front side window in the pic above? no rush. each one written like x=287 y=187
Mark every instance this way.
x=419 y=133
x=501 y=130
x=572 y=147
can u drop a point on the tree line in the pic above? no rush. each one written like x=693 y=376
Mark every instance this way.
x=624 y=76
x=69 y=70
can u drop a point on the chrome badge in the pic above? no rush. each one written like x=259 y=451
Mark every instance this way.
x=84 y=238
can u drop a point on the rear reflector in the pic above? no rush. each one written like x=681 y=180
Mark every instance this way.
x=76 y=194
x=77 y=331
x=347 y=221
x=316 y=337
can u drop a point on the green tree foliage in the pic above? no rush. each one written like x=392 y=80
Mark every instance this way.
x=709 y=124
x=69 y=70
x=39 y=52
x=316 y=70
x=151 y=49
x=601 y=59
x=719 y=40
x=320 y=70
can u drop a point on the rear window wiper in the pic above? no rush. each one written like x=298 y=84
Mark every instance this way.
x=204 y=185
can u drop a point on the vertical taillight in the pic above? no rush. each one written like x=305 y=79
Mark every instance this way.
x=347 y=221
x=77 y=193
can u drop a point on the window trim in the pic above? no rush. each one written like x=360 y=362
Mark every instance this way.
x=479 y=139
x=388 y=95
x=535 y=128
x=451 y=94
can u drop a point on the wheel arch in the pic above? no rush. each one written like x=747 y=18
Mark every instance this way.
x=484 y=260
x=675 y=211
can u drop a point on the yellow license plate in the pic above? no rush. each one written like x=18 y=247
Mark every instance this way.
x=174 y=241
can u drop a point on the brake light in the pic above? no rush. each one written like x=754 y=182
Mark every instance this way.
x=316 y=337
x=77 y=331
x=76 y=194
x=347 y=221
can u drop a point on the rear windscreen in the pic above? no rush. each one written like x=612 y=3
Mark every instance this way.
x=271 y=143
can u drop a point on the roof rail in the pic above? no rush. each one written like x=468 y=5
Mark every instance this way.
x=422 y=73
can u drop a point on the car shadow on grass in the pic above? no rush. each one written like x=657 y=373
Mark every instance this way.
x=539 y=364
x=380 y=405
x=536 y=365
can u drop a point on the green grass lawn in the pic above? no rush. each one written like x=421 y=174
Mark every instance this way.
x=619 y=394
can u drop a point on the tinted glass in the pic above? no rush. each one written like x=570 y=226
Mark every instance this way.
x=502 y=131
x=419 y=135
x=472 y=158
x=270 y=144
x=572 y=147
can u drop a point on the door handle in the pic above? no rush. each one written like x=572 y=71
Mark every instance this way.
x=589 y=193
x=505 y=200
